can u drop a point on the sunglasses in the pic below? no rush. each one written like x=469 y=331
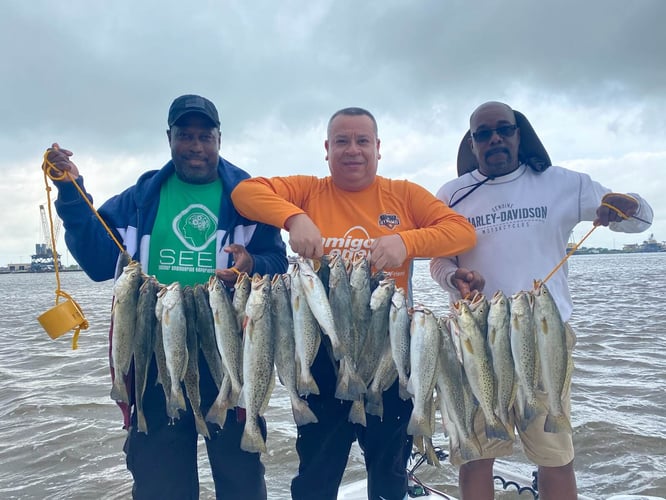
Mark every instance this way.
x=503 y=131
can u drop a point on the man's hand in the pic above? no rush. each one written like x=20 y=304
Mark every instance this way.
x=304 y=237
x=625 y=204
x=243 y=263
x=388 y=252
x=468 y=282
x=59 y=159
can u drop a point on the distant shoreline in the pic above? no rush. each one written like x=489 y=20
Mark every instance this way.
x=28 y=271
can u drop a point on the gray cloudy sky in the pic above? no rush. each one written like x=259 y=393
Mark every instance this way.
x=98 y=78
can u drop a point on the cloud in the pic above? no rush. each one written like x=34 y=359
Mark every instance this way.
x=99 y=78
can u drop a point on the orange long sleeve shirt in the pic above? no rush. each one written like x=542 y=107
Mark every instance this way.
x=349 y=221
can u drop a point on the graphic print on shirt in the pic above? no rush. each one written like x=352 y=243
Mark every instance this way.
x=507 y=216
x=195 y=227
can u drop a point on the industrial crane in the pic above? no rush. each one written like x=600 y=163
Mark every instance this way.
x=43 y=260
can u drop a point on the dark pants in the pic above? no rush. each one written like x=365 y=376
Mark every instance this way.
x=164 y=461
x=323 y=448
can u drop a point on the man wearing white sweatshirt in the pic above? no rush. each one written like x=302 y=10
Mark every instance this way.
x=523 y=210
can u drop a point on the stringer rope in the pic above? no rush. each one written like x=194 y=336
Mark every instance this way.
x=575 y=247
x=56 y=266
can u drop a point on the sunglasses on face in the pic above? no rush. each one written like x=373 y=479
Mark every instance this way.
x=484 y=135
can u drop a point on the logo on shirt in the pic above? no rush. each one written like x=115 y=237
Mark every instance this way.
x=505 y=216
x=356 y=241
x=389 y=220
x=195 y=227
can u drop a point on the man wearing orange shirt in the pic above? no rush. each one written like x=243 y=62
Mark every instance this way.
x=355 y=212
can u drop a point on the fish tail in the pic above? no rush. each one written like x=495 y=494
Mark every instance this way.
x=119 y=390
x=496 y=429
x=557 y=423
x=252 y=441
x=338 y=348
x=470 y=449
x=350 y=386
x=217 y=414
x=374 y=404
x=402 y=390
x=200 y=424
x=418 y=425
x=307 y=384
x=303 y=415
x=530 y=412
x=357 y=413
x=141 y=422
x=235 y=395
x=176 y=402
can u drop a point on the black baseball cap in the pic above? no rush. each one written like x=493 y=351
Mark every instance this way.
x=190 y=103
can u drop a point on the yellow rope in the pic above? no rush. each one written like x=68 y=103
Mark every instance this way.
x=50 y=171
x=569 y=254
x=56 y=266
x=575 y=247
x=53 y=173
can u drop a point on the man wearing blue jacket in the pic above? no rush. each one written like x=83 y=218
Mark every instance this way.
x=180 y=224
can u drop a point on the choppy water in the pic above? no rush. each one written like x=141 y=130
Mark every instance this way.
x=61 y=436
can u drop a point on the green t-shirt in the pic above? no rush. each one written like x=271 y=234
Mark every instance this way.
x=182 y=243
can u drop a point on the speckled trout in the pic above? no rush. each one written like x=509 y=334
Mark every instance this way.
x=554 y=359
x=258 y=362
x=126 y=296
x=170 y=311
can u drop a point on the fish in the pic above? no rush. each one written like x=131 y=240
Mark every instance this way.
x=192 y=371
x=554 y=359
x=499 y=342
x=349 y=384
x=450 y=387
x=285 y=348
x=523 y=350
x=160 y=358
x=258 y=362
x=217 y=413
x=126 y=297
x=478 y=368
x=307 y=337
x=424 y=353
x=480 y=307
x=317 y=299
x=359 y=281
x=174 y=337
x=378 y=330
x=383 y=378
x=399 y=325
x=242 y=289
x=228 y=336
x=205 y=325
x=144 y=343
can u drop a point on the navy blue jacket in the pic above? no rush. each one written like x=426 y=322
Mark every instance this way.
x=131 y=215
